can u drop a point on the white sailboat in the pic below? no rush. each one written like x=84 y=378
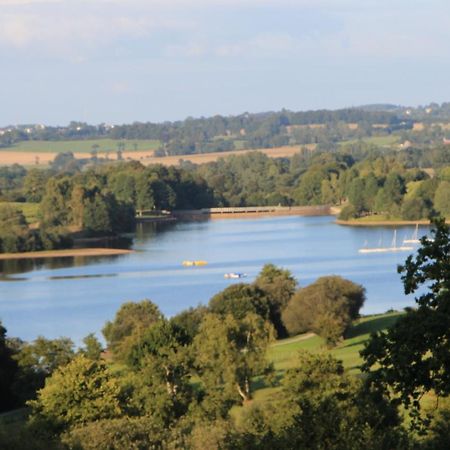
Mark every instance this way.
x=392 y=248
x=414 y=238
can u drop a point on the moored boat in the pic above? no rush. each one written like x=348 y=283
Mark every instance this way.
x=235 y=275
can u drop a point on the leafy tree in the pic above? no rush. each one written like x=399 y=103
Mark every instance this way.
x=239 y=300
x=322 y=408
x=279 y=285
x=92 y=347
x=118 y=434
x=96 y=215
x=130 y=322
x=326 y=307
x=53 y=208
x=8 y=370
x=38 y=360
x=189 y=321
x=229 y=352
x=413 y=357
x=34 y=185
x=13 y=229
x=80 y=392
x=442 y=198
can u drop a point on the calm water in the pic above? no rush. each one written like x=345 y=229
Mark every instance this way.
x=73 y=297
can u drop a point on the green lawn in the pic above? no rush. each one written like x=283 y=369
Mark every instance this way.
x=83 y=146
x=29 y=210
x=283 y=352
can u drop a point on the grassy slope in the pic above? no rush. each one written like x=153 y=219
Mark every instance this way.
x=29 y=210
x=83 y=146
x=283 y=352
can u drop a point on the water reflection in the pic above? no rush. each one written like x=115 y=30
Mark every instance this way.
x=14 y=266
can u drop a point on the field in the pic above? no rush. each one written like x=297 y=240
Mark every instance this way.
x=277 y=152
x=33 y=157
x=82 y=146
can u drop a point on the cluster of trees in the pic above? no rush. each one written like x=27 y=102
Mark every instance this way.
x=171 y=383
x=17 y=236
x=99 y=201
x=386 y=186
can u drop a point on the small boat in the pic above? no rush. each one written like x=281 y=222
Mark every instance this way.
x=194 y=263
x=235 y=275
x=414 y=238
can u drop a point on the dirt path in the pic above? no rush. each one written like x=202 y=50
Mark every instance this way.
x=301 y=337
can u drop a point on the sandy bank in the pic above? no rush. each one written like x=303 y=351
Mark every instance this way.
x=69 y=253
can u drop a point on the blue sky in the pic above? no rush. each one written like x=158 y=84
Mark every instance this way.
x=119 y=61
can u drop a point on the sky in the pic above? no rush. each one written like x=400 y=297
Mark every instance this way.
x=121 y=61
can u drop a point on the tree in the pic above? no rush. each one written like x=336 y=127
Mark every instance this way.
x=13 y=229
x=413 y=357
x=122 y=433
x=34 y=185
x=130 y=322
x=326 y=307
x=162 y=365
x=8 y=371
x=229 y=352
x=92 y=347
x=38 y=360
x=239 y=300
x=279 y=285
x=53 y=208
x=80 y=392
x=321 y=407
x=442 y=198
x=96 y=215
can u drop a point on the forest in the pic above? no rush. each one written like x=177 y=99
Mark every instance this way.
x=189 y=381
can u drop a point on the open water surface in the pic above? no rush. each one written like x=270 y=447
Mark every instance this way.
x=75 y=296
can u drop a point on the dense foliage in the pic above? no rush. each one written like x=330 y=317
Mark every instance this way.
x=413 y=357
x=188 y=382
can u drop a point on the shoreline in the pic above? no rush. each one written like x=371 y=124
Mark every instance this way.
x=66 y=253
x=382 y=223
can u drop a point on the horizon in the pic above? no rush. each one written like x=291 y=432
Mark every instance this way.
x=59 y=125
x=117 y=61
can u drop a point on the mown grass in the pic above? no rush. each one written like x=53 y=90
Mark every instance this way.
x=283 y=353
x=84 y=146
x=29 y=210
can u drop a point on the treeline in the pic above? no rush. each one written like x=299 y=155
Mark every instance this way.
x=187 y=382
x=221 y=133
x=101 y=199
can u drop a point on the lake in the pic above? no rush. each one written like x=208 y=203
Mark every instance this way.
x=75 y=296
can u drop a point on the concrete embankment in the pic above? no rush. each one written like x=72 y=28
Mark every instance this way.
x=251 y=211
